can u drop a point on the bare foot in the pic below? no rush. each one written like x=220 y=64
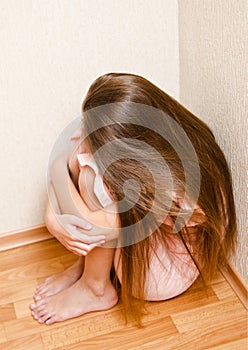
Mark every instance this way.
x=56 y=283
x=75 y=301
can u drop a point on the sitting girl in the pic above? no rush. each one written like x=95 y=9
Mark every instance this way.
x=155 y=186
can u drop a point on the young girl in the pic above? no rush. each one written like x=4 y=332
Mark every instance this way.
x=175 y=221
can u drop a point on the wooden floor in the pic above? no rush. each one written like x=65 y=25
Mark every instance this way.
x=195 y=320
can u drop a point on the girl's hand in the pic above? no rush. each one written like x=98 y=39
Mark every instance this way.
x=71 y=231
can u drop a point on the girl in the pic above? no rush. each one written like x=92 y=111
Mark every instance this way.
x=173 y=222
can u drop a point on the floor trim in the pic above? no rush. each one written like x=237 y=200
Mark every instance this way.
x=39 y=233
x=237 y=284
x=20 y=238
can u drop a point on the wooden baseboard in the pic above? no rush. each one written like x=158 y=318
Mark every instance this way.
x=39 y=233
x=236 y=282
x=23 y=237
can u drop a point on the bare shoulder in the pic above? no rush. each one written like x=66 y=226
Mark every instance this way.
x=98 y=215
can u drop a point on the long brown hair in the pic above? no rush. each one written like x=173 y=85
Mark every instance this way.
x=213 y=238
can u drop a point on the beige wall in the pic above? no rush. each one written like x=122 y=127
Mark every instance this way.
x=50 y=52
x=213 y=77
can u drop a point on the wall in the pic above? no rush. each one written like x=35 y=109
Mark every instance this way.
x=213 y=58
x=52 y=50
x=50 y=53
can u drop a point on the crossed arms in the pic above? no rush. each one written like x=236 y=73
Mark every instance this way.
x=67 y=215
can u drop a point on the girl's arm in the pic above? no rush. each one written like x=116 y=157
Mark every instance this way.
x=70 y=202
x=65 y=228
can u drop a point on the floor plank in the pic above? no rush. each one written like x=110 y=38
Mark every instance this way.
x=222 y=292
x=22 y=308
x=223 y=313
x=33 y=342
x=198 y=319
x=7 y=312
x=38 y=252
x=3 y=337
x=32 y=271
x=234 y=345
x=129 y=338
x=16 y=290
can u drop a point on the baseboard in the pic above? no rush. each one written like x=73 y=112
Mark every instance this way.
x=40 y=233
x=23 y=237
x=236 y=282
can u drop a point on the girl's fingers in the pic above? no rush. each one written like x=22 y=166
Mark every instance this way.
x=85 y=247
x=79 y=237
x=80 y=222
x=81 y=252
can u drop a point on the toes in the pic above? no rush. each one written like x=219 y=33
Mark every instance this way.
x=34 y=315
x=39 y=304
x=42 y=289
x=40 y=314
x=41 y=311
x=43 y=285
x=50 y=320
x=37 y=307
x=43 y=318
x=32 y=306
x=37 y=297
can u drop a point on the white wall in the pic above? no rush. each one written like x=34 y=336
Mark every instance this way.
x=213 y=78
x=50 y=53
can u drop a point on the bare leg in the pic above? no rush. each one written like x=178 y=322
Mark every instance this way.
x=56 y=283
x=92 y=292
